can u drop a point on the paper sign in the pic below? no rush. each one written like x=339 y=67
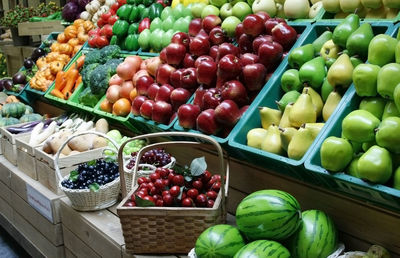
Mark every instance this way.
x=39 y=202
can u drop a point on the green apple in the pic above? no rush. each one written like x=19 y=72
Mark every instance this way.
x=208 y=10
x=197 y=9
x=241 y=10
x=167 y=38
x=156 y=40
x=229 y=25
x=168 y=23
x=166 y=12
x=296 y=9
x=267 y=6
x=226 y=11
x=331 y=6
x=177 y=12
x=156 y=24
x=233 y=2
x=218 y=3
x=250 y=2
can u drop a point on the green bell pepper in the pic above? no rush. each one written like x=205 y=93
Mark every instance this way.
x=134 y=15
x=120 y=28
x=155 y=10
x=144 y=13
x=132 y=2
x=131 y=42
x=138 y=2
x=133 y=28
x=114 y=40
x=124 y=12
x=147 y=2
x=140 y=8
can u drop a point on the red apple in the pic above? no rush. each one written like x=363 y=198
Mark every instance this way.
x=199 y=46
x=202 y=34
x=189 y=60
x=161 y=112
x=263 y=15
x=163 y=73
x=201 y=59
x=239 y=31
x=213 y=52
x=270 y=24
x=227 y=113
x=164 y=93
x=243 y=109
x=254 y=76
x=234 y=90
x=249 y=58
x=211 y=99
x=253 y=25
x=189 y=78
x=210 y=21
x=181 y=38
x=194 y=27
x=146 y=109
x=143 y=83
x=207 y=72
x=179 y=97
x=229 y=67
x=206 y=122
x=153 y=90
x=259 y=40
x=175 y=53
x=245 y=43
x=284 y=34
x=227 y=48
x=270 y=54
x=137 y=103
x=163 y=55
x=217 y=36
x=175 y=78
x=198 y=96
x=187 y=115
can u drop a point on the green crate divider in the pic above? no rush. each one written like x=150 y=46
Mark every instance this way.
x=395 y=30
x=252 y=120
x=326 y=16
x=381 y=195
x=300 y=28
x=146 y=53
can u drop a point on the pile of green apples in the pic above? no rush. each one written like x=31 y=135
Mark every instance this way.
x=370 y=144
x=370 y=9
x=162 y=28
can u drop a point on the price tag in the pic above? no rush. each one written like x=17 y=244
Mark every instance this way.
x=39 y=202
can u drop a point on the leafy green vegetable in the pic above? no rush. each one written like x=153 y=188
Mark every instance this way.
x=109 y=52
x=94 y=187
x=87 y=98
x=73 y=175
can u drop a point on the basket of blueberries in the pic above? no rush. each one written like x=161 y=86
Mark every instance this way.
x=92 y=185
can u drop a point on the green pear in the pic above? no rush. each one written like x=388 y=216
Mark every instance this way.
x=301 y=55
x=296 y=9
x=355 y=61
x=388 y=78
x=288 y=97
x=286 y=136
x=352 y=168
x=358 y=42
x=290 y=80
x=312 y=73
x=392 y=3
x=349 y=6
x=375 y=165
x=269 y=116
x=303 y=111
x=285 y=122
x=340 y=74
x=387 y=135
x=359 y=126
x=390 y=110
x=366 y=145
x=392 y=13
x=343 y=31
x=326 y=89
x=314 y=128
x=320 y=41
x=381 y=50
x=374 y=4
x=336 y=153
x=397 y=53
x=272 y=141
x=331 y=103
x=365 y=77
x=329 y=62
x=374 y=105
x=331 y=6
x=316 y=99
x=329 y=50
x=377 y=251
x=379 y=13
x=255 y=137
x=314 y=10
x=396 y=179
x=396 y=96
x=300 y=143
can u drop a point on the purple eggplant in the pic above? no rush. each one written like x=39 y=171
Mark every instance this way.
x=19 y=78
x=8 y=84
x=28 y=63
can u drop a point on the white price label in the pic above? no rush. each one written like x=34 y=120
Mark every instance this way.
x=39 y=202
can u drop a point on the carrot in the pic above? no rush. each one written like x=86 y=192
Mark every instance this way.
x=78 y=81
x=80 y=61
x=57 y=93
x=72 y=76
x=60 y=81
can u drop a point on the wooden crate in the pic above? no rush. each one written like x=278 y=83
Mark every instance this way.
x=5 y=171
x=39 y=28
x=8 y=143
x=14 y=58
x=26 y=160
x=5 y=193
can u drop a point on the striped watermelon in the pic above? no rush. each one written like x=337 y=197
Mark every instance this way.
x=219 y=241
x=268 y=214
x=316 y=237
x=263 y=249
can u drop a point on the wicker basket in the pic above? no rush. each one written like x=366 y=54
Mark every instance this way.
x=85 y=199
x=170 y=229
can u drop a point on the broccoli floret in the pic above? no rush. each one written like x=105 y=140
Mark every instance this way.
x=87 y=98
x=93 y=57
x=109 y=52
x=86 y=72
x=99 y=79
x=113 y=63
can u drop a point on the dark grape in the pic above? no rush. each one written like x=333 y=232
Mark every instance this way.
x=156 y=157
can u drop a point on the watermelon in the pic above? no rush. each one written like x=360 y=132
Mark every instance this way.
x=316 y=237
x=219 y=241
x=268 y=214
x=263 y=249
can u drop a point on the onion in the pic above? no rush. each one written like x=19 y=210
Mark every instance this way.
x=152 y=65
x=115 y=80
x=113 y=93
x=126 y=88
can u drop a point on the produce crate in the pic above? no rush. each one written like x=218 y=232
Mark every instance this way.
x=304 y=29
x=252 y=120
x=39 y=28
x=73 y=101
x=8 y=143
x=21 y=93
x=144 y=53
x=26 y=161
x=380 y=195
x=326 y=16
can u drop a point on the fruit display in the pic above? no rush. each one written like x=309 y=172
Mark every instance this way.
x=95 y=9
x=156 y=157
x=369 y=9
x=368 y=146
x=92 y=175
x=176 y=187
x=68 y=44
x=270 y=224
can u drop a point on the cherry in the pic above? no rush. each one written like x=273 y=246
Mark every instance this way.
x=175 y=190
x=133 y=197
x=143 y=192
x=165 y=192
x=130 y=204
x=192 y=193
x=143 y=186
x=201 y=200
x=168 y=199
x=163 y=172
x=154 y=176
x=212 y=195
x=165 y=182
x=153 y=190
x=206 y=176
x=171 y=176
x=216 y=186
x=149 y=198
x=150 y=185
x=178 y=180
x=184 y=195
x=210 y=203
x=187 y=202
x=157 y=197
x=141 y=180
x=217 y=177
x=159 y=184
x=198 y=185
x=159 y=203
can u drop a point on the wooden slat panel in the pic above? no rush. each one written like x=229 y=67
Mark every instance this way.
x=72 y=242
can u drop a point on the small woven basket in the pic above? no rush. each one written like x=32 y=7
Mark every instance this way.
x=170 y=229
x=86 y=199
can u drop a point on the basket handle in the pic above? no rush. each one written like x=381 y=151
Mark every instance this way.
x=205 y=138
x=57 y=155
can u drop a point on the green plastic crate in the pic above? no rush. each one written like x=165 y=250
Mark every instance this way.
x=326 y=16
x=73 y=101
x=302 y=29
x=381 y=195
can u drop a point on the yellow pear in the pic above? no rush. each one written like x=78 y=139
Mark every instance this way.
x=316 y=99
x=286 y=136
x=340 y=74
x=379 y=13
x=269 y=116
x=330 y=105
x=315 y=128
x=285 y=117
x=303 y=111
x=272 y=141
x=300 y=143
x=255 y=137
x=350 y=6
